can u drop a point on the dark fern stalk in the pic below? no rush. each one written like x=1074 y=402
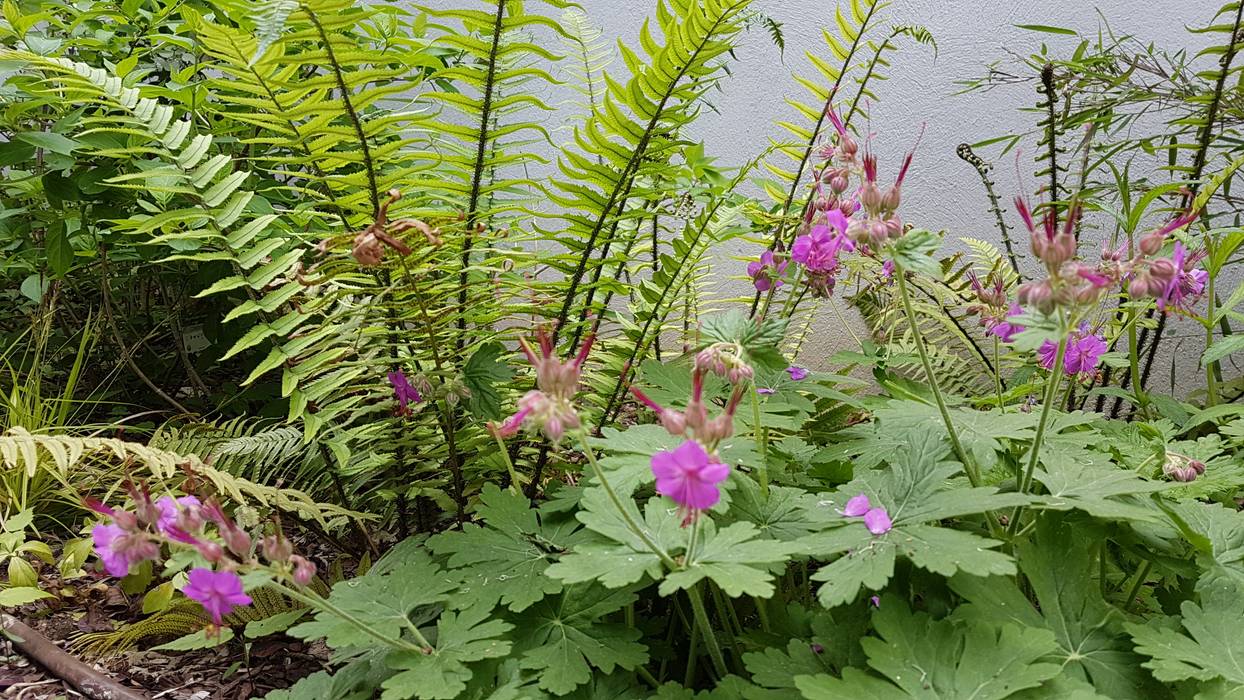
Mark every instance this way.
x=339 y=77
x=779 y=235
x=478 y=173
x=964 y=151
x=1198 y=168
x=620 y=192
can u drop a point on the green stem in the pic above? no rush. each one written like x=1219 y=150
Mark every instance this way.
x=1140 y=581
x=1142 y=399
x=319 y=603
x=997 y=373
x=617 y=503
x=762 y=443
x=509 y=463
x=706 y=629
x=692 y=651
x=969 y=464
x=762 y=611
x=1051 y=391
x=1211 y=368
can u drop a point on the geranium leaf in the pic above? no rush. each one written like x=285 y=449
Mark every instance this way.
x=564 y=638
x=1209 y=645
x=461 y=638
x=732 y=558
x=925 y=658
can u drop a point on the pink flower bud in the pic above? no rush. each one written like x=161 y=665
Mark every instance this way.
x=1152 y=243
x=277 y=548
x=304 y=570
x=870 y=197
x=1139 y=287
x=1163 y=269
x=210 y=550
x=236 y=540
x=894 y=227
x=674 y=422
x=891 y=199
x=839 y=184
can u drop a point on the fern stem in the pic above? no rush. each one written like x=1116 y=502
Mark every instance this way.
x=356 y=122
x=964 y=151
x=477 y=175
x=620 y=191
x=1199 y=161
x=1047 y=406
x=969 y=465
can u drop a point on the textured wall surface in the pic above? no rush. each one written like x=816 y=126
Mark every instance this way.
x=942 y=192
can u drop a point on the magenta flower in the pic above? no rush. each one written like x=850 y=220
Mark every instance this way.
x=404 y=392
x=766 y=273
x=857 y=506
x=818 y=249
x=1084 y=354
x=178 y=516
x=876 y=601
x=218 y=591
x=796 y=373
x=887 y=270
x=689 y=476
x=1004 y=329
x=765 y=391
x=1084 y=351
x=877 y=520
x=1188 y=283
x=120 y=550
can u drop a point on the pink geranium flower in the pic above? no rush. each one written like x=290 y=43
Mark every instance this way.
x=766 y=273
x=178 y=516
x=404 y=392
x=797 y=373
x=689 y=476
x=1188 y=283
x=218 y=591
x=1004 y=329
x=1084 y=351
x=120 y=549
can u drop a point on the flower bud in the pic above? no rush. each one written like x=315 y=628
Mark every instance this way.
x=1139 y=287
x=277 y=548
x=210 y=550
x=304 y=570
x=674 y=422
x=891 y=199
x=894 y=227
x=870 y=197
x=1152 y=243
x=236 y=540
x=839 y=184
x=1163 y=269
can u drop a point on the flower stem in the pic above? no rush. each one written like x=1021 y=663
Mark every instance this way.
x=762 y=443
x=617 y=503
x=319 y=603
x=1135 y=589
x=1142 y=399
x=706 y=629
x=969 y=465
x=1051 y=391
x=509 y=463
x=997 y=373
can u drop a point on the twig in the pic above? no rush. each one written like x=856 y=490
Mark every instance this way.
x=56 y=661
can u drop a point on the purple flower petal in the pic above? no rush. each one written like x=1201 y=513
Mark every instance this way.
x=877 y=521
x=857 y=506
x=797 y=373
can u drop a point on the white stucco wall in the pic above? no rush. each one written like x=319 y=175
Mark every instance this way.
x=942 y=192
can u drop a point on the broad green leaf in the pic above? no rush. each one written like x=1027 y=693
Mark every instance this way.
x=48 y=141
x=924 y=658
x=506 y=560
x=273 y=623
x=461 y=638
x=482 y=372
x=731 y=557
x=564 y=638
x=385 y=600
x=20 y=595
x=1060 y=568
x=1209 y=647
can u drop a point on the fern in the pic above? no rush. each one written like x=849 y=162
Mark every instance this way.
x=61 y=455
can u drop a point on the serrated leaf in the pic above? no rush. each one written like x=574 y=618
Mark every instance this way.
x=563 y=639
x=732 y=558
x=1209 y=645
x=461 y=638
x=482 y=372
x=385 y=600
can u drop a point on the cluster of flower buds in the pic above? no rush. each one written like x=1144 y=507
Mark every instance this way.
x=881 y=222
x=722 y=359
x=550 y=406
x=138 y=536
x=1173 y=281
x=1182 y=467
x=992 y=306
